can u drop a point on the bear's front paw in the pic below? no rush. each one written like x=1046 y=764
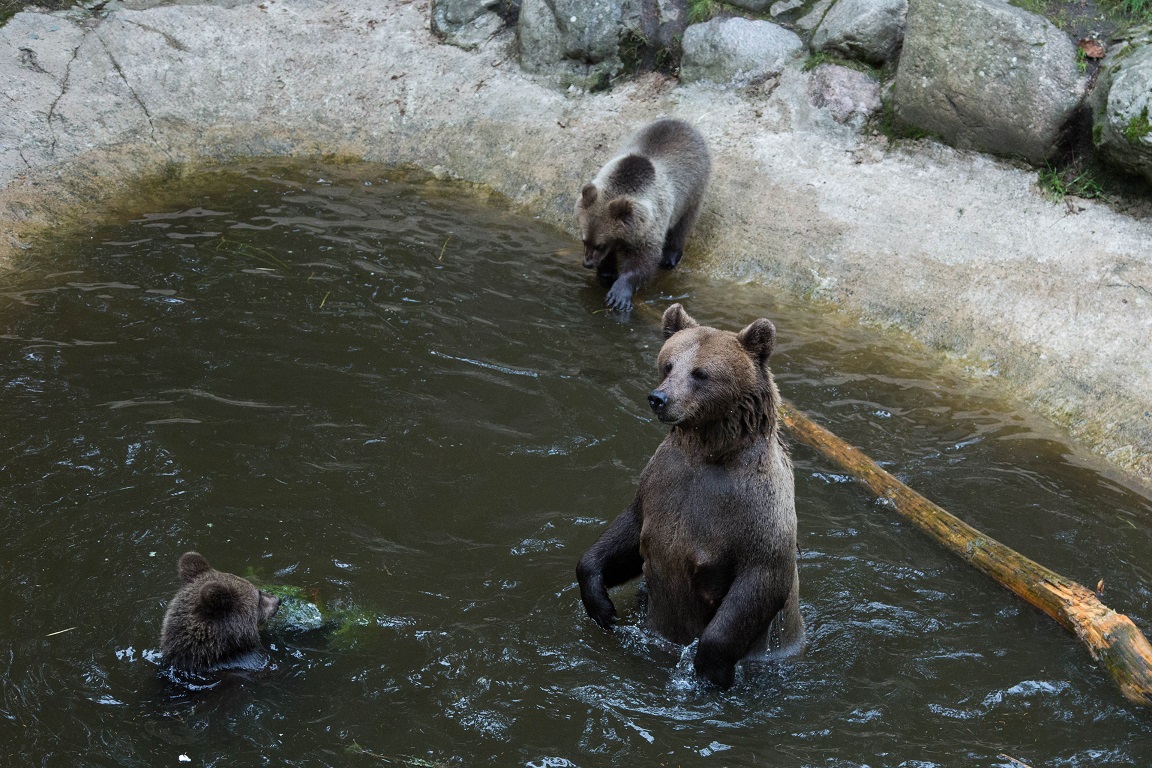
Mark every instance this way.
x=619 y=297
x=670 y=258
x=601 y=609
x=715 y=671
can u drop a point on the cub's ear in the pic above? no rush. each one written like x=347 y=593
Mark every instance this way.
x=216 y=599
x=676 y=319
x=588 y=195
x=759 y=339
x=192 y=565
x=622 y=209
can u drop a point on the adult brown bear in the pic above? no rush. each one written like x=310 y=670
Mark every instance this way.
x=713 y=524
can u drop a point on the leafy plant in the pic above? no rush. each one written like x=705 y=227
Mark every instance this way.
x=701 y=10
x=1060 y=182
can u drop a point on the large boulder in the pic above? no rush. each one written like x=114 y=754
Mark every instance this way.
x=866 y=30
x=1122 y=126
x=849 y=96
x=574 y=37
x=736 y=51
x=466 y=23
x=986 y=75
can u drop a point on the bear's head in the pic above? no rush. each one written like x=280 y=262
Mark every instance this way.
x=608 y=224
x=215 y=617
x=712 y=377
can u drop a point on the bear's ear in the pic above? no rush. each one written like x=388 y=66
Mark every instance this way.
x=192 y=565
x=622 y=209
x=216 y=599
x=676 y=319
x=588 y=195
x=759 y=339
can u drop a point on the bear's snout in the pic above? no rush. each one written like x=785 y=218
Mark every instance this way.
x=659 y=401
x=269 y=605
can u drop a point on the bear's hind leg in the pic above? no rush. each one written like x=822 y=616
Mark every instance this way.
x=678 y=234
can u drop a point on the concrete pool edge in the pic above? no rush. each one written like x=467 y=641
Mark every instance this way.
x=955 y=248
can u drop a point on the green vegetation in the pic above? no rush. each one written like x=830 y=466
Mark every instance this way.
x=639 y=54
x=1137 y=10
x=1060 y=182
x=9 y=8
x=702 y=10
x=1138 y=127
x=302 y=610
x=820 y=57
x=894 y=128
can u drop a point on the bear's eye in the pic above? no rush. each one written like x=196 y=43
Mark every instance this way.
x=700 y=374
x=666 y=369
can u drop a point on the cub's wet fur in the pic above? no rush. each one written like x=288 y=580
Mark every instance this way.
x=636 y=213
x=713 y=525
x=213 y=622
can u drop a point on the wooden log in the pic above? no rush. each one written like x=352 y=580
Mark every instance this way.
x=1111 y=637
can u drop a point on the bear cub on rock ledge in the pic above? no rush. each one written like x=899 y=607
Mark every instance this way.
x=635 y=215
x=713 y=525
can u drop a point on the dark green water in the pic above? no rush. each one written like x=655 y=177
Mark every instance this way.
x=390 y=393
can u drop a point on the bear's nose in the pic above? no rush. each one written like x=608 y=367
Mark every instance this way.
x=658 y=400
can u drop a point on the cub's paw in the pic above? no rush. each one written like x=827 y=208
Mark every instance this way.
x=619 y=297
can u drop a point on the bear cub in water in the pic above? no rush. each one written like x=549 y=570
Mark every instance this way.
x=713 y=524
x=214 y=620
x=636 y=213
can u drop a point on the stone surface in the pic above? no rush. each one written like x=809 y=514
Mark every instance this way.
x=466 y=23
x=865 y=30
x=956 y=248
x=849 y=96
x=755 y=6
x=1122 y=126
x=810 y=20
x=571 y=37
x=736 y=51
x=986 y=75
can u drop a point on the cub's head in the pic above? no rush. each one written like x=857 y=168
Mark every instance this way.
x=214 y=617
x=608 y=225
x=709 y=375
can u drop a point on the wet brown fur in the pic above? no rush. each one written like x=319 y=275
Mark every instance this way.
x=713 y=525
x=214 y=618
x=636 y=213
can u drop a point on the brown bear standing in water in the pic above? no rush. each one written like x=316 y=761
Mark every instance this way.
x=635 y=215
x=713 y=524
x=214 y=621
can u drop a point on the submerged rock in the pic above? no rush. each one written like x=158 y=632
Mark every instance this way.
x=1122 y=128
x=736 y=51
x=302 y=611
x=865 y=30
x=986 y=75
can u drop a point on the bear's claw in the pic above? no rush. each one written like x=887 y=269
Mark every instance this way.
x=619 y=298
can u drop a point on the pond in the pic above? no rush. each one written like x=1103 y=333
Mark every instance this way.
x=405 y=399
